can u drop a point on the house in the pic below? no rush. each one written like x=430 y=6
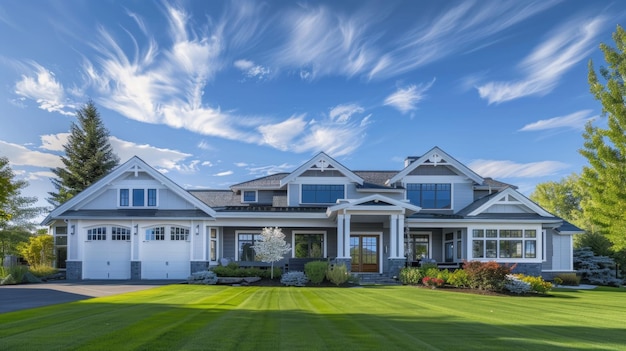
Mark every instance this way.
x=135 y=223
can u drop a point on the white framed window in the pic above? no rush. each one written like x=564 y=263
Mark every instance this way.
x=120 y=233
x=97 y=234
x=155 y=234
x=179 y=234
x=430 y=195
x=138 y=197
x=504 y=243
x=321 y=193
x=213 y=244
x=249 y=196
x=308 y=244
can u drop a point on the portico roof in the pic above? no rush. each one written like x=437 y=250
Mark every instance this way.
x=375 y=204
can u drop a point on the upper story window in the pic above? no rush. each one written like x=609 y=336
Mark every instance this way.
x=249 y=196
x=138 y=197
x=322 y=193
x=430 y=196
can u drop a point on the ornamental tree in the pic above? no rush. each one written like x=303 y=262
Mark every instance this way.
x=271 y=246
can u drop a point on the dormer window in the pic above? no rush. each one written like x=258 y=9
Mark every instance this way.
x=249 y=196
x=138 y=197
x=430 y=196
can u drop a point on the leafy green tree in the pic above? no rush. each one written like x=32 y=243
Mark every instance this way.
x=88 y=156
x=10 y=239
x=604 y=179
x=38 y=251
x=9 y=187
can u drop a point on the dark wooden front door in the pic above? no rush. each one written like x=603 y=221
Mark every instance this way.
x=364 y=253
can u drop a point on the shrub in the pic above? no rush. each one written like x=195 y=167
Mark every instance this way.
x=203 y=277
x=567 y=279
x=516 y=285
x=433 y=282
x=294 y=278
x=43 y=271
x=410 y=276
x=458 y=278
x=338 y=274
x=537 y=284
x=425 y=268
x=235 y=271
x=316 y=271
x=486 y=275
x=12 y=274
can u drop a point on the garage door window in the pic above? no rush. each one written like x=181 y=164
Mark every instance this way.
x=121 y=234
x=156 y=233
x=97 y=233
x=179 y=233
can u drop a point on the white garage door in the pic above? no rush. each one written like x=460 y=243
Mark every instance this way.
x=165 y=260
x=106 y=258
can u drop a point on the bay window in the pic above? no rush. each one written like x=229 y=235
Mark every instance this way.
x=504 y=243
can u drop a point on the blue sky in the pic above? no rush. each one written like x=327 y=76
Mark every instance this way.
x=213 y=93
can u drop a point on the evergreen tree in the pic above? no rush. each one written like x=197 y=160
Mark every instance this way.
x=604 y=178
x=15 y=210
x=88 y=156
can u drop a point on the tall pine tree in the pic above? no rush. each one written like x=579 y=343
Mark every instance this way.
x=604 y=178
x=88 y=156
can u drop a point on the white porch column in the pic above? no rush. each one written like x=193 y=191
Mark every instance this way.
x=340 y=240
x=346 y=233
x=400 y=242
x=393 y=236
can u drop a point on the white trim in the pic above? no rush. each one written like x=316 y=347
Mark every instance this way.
x=301 y=232
x=520 y=200
x=430 y=241
x=256 y=196
x=321 y=157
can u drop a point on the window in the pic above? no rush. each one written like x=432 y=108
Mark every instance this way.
x=504 y=243
x=249 y=196
x=179 y=233
x=308 y=245
x=99 y=233
x=120 y=234
x=138 y=199
x=124 y=197
x=245 y=246
x=213 y=247
x=60 y=240
x=432 y=196
x=152 y=197
x=156 y=233
x=417 y=246
x=321 y=193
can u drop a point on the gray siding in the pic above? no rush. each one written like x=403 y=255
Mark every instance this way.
x=294 y=195
x=463 y=195
x=106 y=200
x=432 y=171
x=170 y=201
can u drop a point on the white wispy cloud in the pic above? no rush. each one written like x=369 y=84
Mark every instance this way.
x=53 y=142
x=43 y=87
x=342 y=113
x=281 y=135
x=252 y=70
x=510 y=169
x=223 y=174
x=406 y=99
x=20 y=155
x=566 y=46
x=270 y=169
x=576 y=120
x=204 y=145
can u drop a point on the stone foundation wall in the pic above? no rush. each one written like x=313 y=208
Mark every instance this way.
x=395 y=265
x=533 y=269
x=199 y=266
x=346 y=261
x=74 y=270
x=135 y=270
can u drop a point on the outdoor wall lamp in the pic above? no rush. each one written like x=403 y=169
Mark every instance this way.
x=136 y=228
x=197 y=229
x=72 y=229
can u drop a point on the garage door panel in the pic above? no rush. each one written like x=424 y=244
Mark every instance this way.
x=106 y=260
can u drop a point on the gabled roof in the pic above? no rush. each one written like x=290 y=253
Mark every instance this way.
x=509 y=197
x=321 y=161
x=270 y=182
x=437 y=156
x=374 y=200
x=134 y=164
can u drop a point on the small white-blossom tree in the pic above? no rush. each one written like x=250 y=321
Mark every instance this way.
x=271 y=246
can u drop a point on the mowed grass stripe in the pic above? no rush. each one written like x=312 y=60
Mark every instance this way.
x=186 y=317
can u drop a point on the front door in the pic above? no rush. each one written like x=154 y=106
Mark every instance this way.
x=364 y=253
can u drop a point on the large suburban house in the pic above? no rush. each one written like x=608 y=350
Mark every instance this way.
x=135 y=223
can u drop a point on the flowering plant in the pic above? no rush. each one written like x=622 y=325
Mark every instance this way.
x=433 y=282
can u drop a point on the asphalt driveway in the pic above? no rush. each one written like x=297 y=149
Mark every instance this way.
x=23 y=296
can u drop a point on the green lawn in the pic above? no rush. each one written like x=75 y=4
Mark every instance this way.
x=188 y=317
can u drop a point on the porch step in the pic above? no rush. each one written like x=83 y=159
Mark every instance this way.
x=376 y=279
